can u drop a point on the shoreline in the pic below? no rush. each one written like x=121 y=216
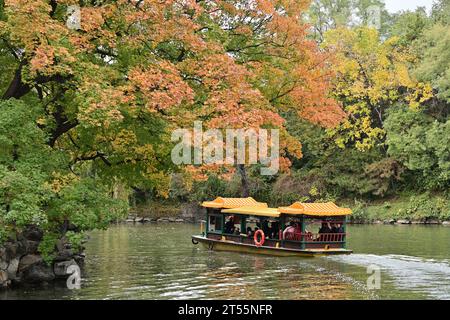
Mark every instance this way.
x=394 y=212
x=180 y=219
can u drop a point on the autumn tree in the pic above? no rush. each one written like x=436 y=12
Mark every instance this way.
x=103 y=97
x=276 y=69
x=372 y=76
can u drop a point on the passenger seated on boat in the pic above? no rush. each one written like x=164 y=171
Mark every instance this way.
x=292 y=232
x=288 y=231
x=274 y=230
x=325 y=228
x=249 y=232
x=334 y=228
x=340 y=231
x=237 y=231
x=229 y=226
x=323 y=231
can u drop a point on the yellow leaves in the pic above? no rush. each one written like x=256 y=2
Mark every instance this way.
x=314 y=191
x=124 y=141
x=403 y=76
x=392 y=41
x=291 y=145
x=161 y=182
x=60 y=181
x=126 y=145
x=3 y=28
x=359 y=130
x=41 y=121
x=372 y=76
x=420 y=94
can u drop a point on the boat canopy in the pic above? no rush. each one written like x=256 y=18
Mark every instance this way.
x=250 y=206
x=254 y=211
x=328 y=209
x=231 y=203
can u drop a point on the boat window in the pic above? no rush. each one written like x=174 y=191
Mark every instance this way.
x=325 y=229
x=215 y=223
x=270 y=226
x=251 y=225
x=293 y=229
x=232 y=225
x=326 y=225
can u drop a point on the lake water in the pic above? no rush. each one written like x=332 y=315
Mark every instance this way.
x=158 y=261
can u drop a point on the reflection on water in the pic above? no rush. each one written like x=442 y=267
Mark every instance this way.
x=160 y=262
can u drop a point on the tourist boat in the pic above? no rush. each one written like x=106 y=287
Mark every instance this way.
x=247 y=226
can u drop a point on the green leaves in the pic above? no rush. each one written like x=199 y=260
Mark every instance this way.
x=421 y=144
x=22 y=197
x=434 y=65
x=38 y=187
x=24 y=163
x=87 y=204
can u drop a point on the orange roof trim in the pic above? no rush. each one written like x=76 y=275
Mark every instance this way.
x=232 y=203
x=315 y=209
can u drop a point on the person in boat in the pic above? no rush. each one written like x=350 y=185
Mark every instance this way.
x=237 y=231
x=292 y=231
x=249 y=232
x=326 y=228
x=334 y=228
x=266 y=229
x=274 y=230
x=229 y=226
x=339 y=231
x=288 y=231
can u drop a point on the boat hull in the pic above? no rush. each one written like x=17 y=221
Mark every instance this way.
x=231 y=246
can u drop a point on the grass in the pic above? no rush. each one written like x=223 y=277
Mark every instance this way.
x=417 y=207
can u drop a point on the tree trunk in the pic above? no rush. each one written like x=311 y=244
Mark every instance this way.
x=16 y=88
x=244 y=180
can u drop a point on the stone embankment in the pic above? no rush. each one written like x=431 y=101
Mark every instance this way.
x=187 y=213
x=405 y=222
x=21 y=262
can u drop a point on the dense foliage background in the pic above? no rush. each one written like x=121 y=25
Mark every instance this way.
x=390 y=157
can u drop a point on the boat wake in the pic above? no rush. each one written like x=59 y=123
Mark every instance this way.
x=427 y=276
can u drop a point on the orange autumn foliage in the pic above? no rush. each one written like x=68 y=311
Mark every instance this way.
x=232 y=64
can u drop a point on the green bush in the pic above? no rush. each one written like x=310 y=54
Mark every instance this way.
x=41 y=186
x=360 y=212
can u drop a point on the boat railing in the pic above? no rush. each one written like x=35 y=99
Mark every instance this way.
x=306 y=238
x=316 y=237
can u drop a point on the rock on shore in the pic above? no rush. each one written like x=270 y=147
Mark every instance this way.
x=21 y=262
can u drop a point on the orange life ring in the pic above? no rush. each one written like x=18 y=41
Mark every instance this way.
x=263 y=238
